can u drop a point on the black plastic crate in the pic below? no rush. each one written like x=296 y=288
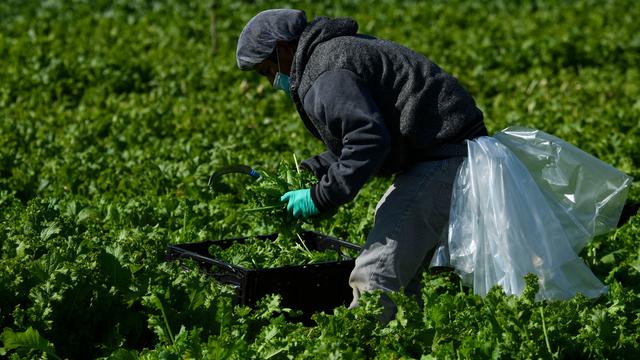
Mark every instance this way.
x=311 y=287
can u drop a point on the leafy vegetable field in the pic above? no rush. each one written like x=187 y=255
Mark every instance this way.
x=113 y=114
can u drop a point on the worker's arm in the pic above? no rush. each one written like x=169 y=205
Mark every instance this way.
x=319 y=164
x=341 y=101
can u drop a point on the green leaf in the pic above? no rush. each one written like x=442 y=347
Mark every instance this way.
x=27 y=340
x=155 y=300
x=635 y=264
x=122 y=354
x=115 y=273
x=610 y=259
x=49 y=231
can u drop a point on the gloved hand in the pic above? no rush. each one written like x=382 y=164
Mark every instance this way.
x=300 y=203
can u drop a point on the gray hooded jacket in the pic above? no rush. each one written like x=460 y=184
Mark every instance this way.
x=378 y=107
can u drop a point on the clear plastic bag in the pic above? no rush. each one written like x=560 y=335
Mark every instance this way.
x=527 y=202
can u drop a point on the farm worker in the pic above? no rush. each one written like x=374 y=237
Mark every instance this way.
x=380 y=109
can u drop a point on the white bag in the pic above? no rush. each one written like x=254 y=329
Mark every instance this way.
x=527 y=202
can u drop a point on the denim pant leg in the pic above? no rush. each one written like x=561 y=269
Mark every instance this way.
x=409 y=221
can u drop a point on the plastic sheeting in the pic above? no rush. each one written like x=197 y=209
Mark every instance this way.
x=525 y=202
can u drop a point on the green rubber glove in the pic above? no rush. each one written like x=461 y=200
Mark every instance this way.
x=300 y=203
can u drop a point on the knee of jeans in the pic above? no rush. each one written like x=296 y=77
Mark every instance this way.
x=370 y=267
x=359 y=280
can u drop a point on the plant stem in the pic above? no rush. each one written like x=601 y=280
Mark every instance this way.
x=546 y=336
x=263 y=208
x=158 y=304
x=303 y=244
x=295 y=160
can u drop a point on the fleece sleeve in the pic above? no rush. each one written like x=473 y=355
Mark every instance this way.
x=340 y=101
x=319 y=164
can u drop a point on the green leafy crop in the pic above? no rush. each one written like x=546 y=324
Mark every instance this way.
x=113 y=114
x=264 y=197
x=257 y=253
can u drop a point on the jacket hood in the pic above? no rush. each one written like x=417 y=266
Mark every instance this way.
x=318 y=31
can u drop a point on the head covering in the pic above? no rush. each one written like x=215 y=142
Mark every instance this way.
x=258 y=38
